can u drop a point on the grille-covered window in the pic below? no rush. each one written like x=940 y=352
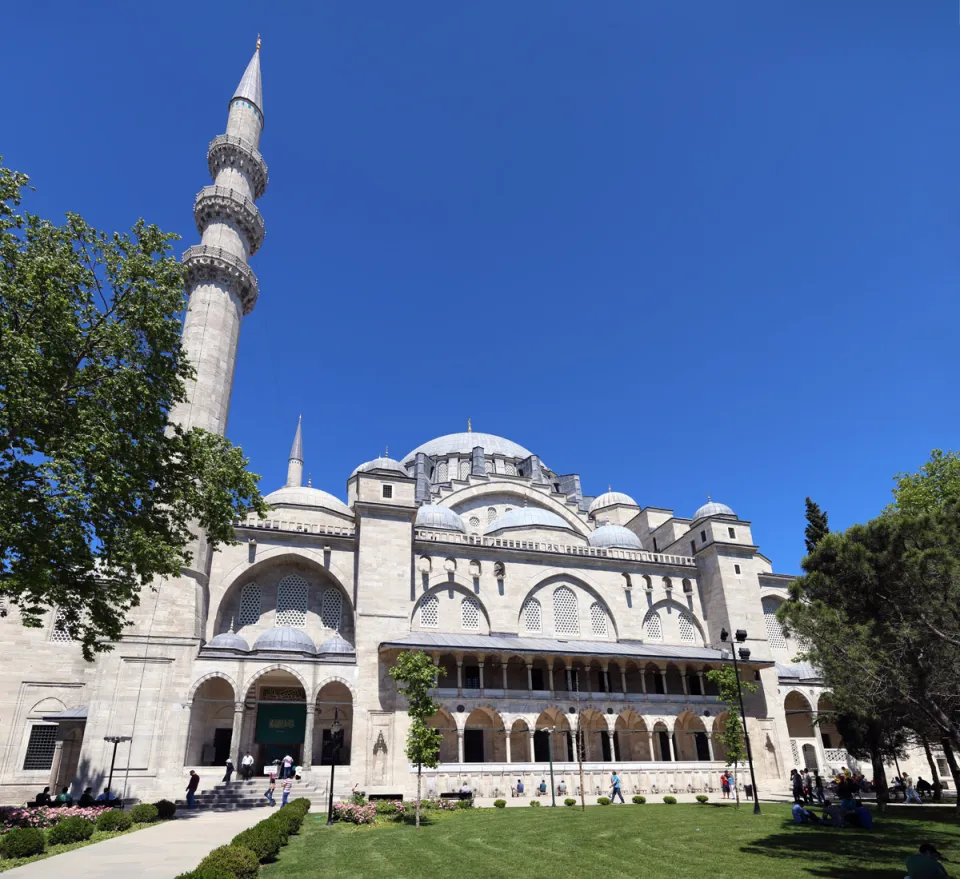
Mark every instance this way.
x=774 y=630
x=292 y=602
x=598 y=619
x=491 y=514
x=249 y=605
x=565 y=614
x=531 y=615
x=488 y=466
x=464 y=468
x=511 y=469
x=430 y=612
x=442 y=471
x=58 y=632
x=40 y=748
x=470 y=615
x=331 y=609
x=652 y=629
x=686 y=628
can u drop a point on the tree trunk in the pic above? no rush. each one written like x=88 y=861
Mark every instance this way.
x=952 y=763
x=579 y=741
x=879 y=779
x=937 y=787
x=419 y=769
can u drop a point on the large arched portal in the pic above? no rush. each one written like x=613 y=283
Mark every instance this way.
x=552 y=731
x=443 y=722
x=632 y=737
x=211 y=723
x=334 y=709
x=799 y=716
x=483 y=737
x=690 y=735
x=276 y=720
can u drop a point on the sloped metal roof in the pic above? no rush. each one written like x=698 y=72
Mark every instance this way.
x=69 y=714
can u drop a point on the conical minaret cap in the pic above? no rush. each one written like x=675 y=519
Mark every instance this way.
x=296 y=450
x=250 y=88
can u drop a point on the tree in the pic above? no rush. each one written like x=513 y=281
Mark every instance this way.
x=97 y=491
x=416 y=675
x=817 y=527
x=931 y=488
x=732 y=736
x=879 y=739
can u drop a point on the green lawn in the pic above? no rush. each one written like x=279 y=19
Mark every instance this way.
x=98 y=836
x=705 y=842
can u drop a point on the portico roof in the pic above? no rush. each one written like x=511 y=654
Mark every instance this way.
x=557 y=647
x=69 y=714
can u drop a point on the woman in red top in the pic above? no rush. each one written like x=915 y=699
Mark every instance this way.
x=725 y=785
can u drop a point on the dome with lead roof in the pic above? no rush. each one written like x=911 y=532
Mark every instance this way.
x=381 y=463
x=336 y=644
x=285 y=639
x=228 y=641
x=527 y=517
x=712 y=508
x=442 y=518
x=611 y=498
x=615 y=537
x=306 y=496
x=465 y=443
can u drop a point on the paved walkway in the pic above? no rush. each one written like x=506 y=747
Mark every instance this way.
x=159 y=852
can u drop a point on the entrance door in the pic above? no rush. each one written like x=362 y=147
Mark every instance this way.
x=664 y=744
x=809 y=757
x=221 y=745
x=541 y=746
x=473 y=746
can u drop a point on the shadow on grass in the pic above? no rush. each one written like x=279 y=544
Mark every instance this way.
x=851 y=853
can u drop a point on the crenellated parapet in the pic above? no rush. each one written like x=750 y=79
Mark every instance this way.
x=205 y=264
x=218 y=203
x=228 y=151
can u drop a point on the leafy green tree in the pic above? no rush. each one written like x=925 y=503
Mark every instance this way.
x=880 y=739
x=416 y=675
x=817 y=527
x=932 y=487
x=98 y=494
x=732 y=735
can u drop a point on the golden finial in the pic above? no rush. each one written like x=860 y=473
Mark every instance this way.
x=469 y=426
x=259 y=41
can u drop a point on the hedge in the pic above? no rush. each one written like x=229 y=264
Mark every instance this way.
x=534 y=802
x=22 y=842
x=603 y=801
x=145 y=813
x=237 y=861
x=702 y=798
x=569 y=801
x=500 y=804
x=639 y=800
x=114 y=820
x=69 y=830
x=670 y=801
x=166 y=809
x=262 y=839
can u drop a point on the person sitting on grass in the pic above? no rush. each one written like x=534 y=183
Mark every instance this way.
x=803 y=816
x=925 y=864
x=832 y=814
x=863 y=816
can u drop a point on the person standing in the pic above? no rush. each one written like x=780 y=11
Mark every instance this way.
x=796 y=784
x=271 y=787
x=246 y=766
x=724 y=786
x=287 y=769
x=192 y=786
x=229 y=772
x=818 y=788
x=616 y=792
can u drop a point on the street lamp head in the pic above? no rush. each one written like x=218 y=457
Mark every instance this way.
x=115 y=740
x=741 y=635
x=336 y=721
x=744 y=653
x=724 y=634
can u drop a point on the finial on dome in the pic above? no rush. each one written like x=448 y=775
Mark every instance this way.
x=230 y=630
x=709 y=499
x=309 y=481
x=259 y=41
x=609 y=486
x=386 y=451
x=469 y=426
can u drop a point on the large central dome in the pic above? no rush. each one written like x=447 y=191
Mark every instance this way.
x=464 y=443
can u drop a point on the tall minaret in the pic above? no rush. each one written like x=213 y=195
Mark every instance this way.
x=222 y=287
x=295 y=461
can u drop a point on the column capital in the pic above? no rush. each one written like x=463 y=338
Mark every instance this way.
x=239 y=707
x=311 y=707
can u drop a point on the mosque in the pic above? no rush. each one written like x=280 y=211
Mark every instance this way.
x=570 y=628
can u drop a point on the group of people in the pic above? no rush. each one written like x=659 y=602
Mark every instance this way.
x=728 y=783
x=806 y=787
x=903 y=787
x=846 y=813
x=246 y=767
x=64 y=798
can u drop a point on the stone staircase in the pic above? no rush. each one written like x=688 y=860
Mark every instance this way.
x=241 y=794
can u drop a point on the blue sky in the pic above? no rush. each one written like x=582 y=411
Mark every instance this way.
x=680 y=248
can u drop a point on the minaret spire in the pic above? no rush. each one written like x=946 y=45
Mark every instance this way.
x=295 y=461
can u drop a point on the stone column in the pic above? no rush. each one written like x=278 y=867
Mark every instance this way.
x=507 y=741
x=623 y=679
x=460 y=745
x=238 y=709
x=650 y=747
x=643 y=681
x=480 y=666
x=532 y=752
x=613 y=747
x=529 y=675
x=576 y=746
x=673 y=752
x=307 y=761
x=504 y=667
x=710 y=746
x=606 y=678
x=459 y=677
x=54 y=779
x=663 y=678
x=703 y=683
x=686 y=687
x=550 y=675
x=569 y=679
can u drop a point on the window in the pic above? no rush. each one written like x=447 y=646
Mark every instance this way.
x=511 y=469
x=732 y=532
x=292 y=601
x=652 y=629
x=736 y=570
x=774 y=630
x=442 y=471
x=387 y=491
x=470 y=615
x=536 y=678
x=655 y=548
x=249 y=605
x=531 y=615
x=647 y=583
x=667 y=584
x=491 y=514
x=488 y=466
x=693 y=546
x=598 y=619
x=703 y=536
x=687 y=634
x=565 y=614
x=430 y=612
x=474 y=522
x=58 y=632
x=40 y=748
x=331 y=609
x=464 y=468
x=687 y=587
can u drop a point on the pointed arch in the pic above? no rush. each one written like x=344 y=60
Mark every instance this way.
x=566 y=611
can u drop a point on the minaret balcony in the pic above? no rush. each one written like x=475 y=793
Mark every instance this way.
x=228 y=151
x=220 y=202
x=204 y=263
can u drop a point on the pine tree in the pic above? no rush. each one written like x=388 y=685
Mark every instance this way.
x=817 y=527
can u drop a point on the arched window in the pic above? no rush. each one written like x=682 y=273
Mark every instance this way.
x=598 y=619
x=430 y=612
x=566 y=617
x=470 y=615
x=292 y=601
x=491 y=514
x=442 y=471
x=687 y=633
x=331 y=608
x=488 y=466
x=511 y=469
x=647 y=583
x=652 y=629
x=667 y=584
x=464 y=468
x=249 y=605
x=774 y=630
x=687 y=586
x=530 y=612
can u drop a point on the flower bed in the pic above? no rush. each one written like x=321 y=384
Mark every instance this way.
x=45 y=816
x=355 y=814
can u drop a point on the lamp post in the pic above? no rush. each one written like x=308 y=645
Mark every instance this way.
x=334 y=739
x=116 y=741
x=741 y=636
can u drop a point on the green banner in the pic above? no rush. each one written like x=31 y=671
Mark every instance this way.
x=281 y=724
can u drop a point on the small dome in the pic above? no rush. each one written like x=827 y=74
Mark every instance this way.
x=527 y=517
x=615 y=537
x=435 y=516
x=305 y=496
x=380 y=464
x=285 y=639
x=610 y=498
x=336 y=644
x=713 y=509
x=228 y=641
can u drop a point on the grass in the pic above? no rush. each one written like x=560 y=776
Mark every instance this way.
x=615 y=841
x=98 y=836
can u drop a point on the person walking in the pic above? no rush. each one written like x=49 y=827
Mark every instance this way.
x=271 y=787
x=796 y=784
x=818 y=788
x=229 y=772
x=192 y=786
x=911 y=796
x=616 y=792
x=287 y=787
x=246 y=766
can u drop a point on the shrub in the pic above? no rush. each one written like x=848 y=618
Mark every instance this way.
x=465 y=804
x=500 y=804
x=291 y=818
x=262 y=839
x=281 y=827
x=145 y=813
x=74 y=829
x=165 y=809
x=358 y=798
x=639 y=800
x=235 y=860
x=569 y=801
x=603 y=801
x=534 y=802
x=114 y=819
x=207 y=873
x=670 y=801
x=702 y=798
x=386 y=807
x=22 y=842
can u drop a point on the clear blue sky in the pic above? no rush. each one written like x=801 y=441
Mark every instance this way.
x=677 y=247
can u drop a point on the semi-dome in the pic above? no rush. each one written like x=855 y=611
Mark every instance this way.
x=435 y=516
x=464 y=443
x=610 y=498
x=527 y=517
x=380 y=463
x=229 y=641
x=615 y=537
x=336 y=644
x=712 y=509
x=285 y=639
x=305 y=496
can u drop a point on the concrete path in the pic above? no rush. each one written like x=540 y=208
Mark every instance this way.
x=159 y=852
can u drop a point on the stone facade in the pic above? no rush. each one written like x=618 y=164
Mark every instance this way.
x=548 y=610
